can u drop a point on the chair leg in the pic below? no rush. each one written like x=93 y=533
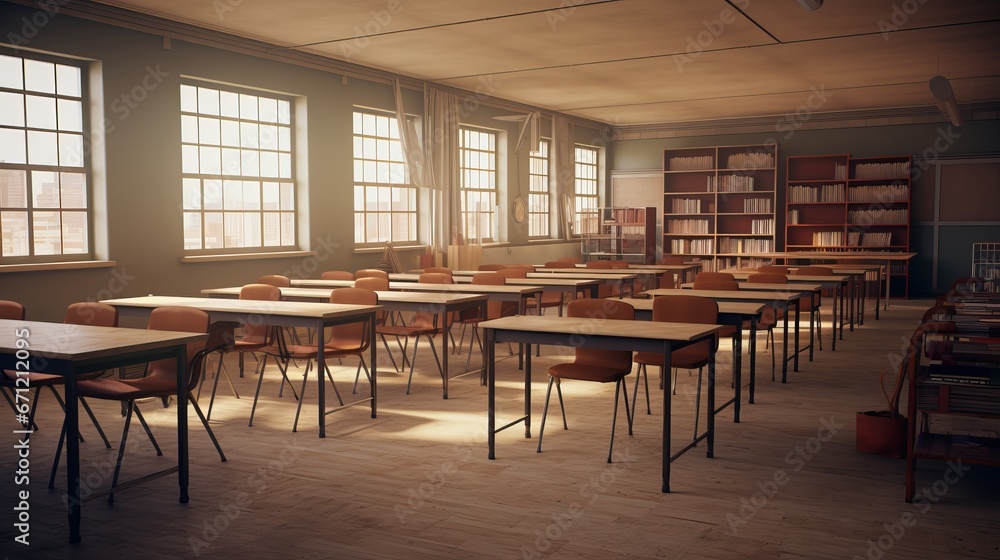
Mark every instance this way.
x=770 y=334
x=204 y=421
x=389 y=352
x=256 y=395
x=562 y=405
x=55 y=461
x=697 y=406
x=641 y=373
x=302 y=396
x=614 y=416
x=97 y=424
x=329 y=375
x=145 y=426
x=129 y=407
x=357 y=374
x=545 y=413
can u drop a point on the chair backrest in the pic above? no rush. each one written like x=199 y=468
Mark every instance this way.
x=435 y=278
x=730 y=285
x=714 y=276
x=673 y=259
x=602 y=309
x=570 y=260
x=773 y=268
x=372 y=283
x=813 y=271
x=182 y=319
x=599 y=264
x=371 y=273
x=486 y=267
x=92 y=313
x=352 y=335
x=494 y=309
x=221 y=335
x=556 y=264
x=275 y=280
x=688 y=309
x=767 y=278
x=439 y=269
x=259 y=332
x=11 y=310
x=337 y=275
x=617 y=263
x=512 y=273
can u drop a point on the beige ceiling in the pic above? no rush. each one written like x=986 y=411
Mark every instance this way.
x=631 y=62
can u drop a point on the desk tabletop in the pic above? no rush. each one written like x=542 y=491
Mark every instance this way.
x=731 y=295
x=601 y=271
x=609 y=274
x=275 y=308
x=61 y=341
x=578 y=282
x=415 y=277
x=323 y=295
x=611 y=327
x=736 y=307
x=766 y=287
x=467 y=288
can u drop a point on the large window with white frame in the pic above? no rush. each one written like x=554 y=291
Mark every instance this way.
x=238 y=172
x=45 y=202
x=385 y=202
x=586 y=185
x=538 y=192
x=478 y=167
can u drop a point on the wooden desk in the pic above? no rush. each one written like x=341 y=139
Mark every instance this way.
x=733 y=314
x=781 y=300
x=614 y=277
x=278 y=313
x=72 y=350
x=415 y=277
x=597 y=333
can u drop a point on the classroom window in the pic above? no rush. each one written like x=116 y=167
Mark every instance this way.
x=586 y=190
x=478 y=167
x=538 y=192
x=45 y=202
x=239 y=179
x=385 y=202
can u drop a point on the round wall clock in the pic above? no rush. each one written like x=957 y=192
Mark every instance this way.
x=520 y=210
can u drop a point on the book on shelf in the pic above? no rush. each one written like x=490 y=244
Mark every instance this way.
x=733 y=183
x=685 y=206
x=828 y=238
x=690 y=163
x=757 y=206
x=881 y=216
x=750 y=160
x=840 y=171
x=822 y=193
x=764 y=226
x=687 y=226
x=793 y=217
x=886 y=170
x=879 y=193
x=965 y=374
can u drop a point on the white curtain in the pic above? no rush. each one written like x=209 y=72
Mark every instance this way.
x=441 y=170
x=413 y=151
x=563 y=163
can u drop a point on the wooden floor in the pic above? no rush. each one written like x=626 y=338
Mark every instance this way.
x=416 y=482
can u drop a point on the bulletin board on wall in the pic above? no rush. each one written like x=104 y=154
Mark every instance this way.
x=634 y=189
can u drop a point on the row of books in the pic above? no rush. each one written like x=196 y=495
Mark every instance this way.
x=879 y=193
x=888 y=170
x=744 y=245
x=692 y=246
x=878 y=217
x=874 y=238
x=687 y=226
x=685 y=206
x=821 y=193
x=840 y=171
x=828 y=238
x=757 y=205
x=750 y=160
x=690 y=163
x=733 y=183
x=764 y=226
x=793 y=217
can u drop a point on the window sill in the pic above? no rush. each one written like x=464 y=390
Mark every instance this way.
x=369 y=250
x=45 y=267
x=246 y=256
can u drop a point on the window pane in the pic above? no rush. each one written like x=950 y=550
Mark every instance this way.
x=13 y=188
x=248 y=107
x=43 y=148
x=12 y=146
x=44 y=189
x=40 y=111
x=208 y=101
x=287 y=228
x=71 y=150
x=192 y=196
x=68 y=80
x=272 y=229
x=11 y=109
x=70 y=115
x=14 y=228
x=11 y=73
x=231 y=133
x=251 y=195
x=74 y=232
x=74 y=190
x=39 y=76
x=229 y=104
x=208 y=131
x=271 y=196
x=212 y=194
x=47 y=233
x=214 y=234
x=192 y=230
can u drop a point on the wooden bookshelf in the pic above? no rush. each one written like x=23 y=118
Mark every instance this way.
x=719 y=199
x=841 y=203
x=627 y=234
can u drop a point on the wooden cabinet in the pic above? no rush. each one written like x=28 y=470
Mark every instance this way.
x=719 y=199
x=842 y=203
x=627 y=234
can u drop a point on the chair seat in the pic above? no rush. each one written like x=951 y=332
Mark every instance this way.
x=690 y=357
x=406 y=330
x=127 y=389
x=586 y=372
x=36 y=379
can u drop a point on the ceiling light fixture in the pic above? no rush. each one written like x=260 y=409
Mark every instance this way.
x=945 y=99
x=811 y=5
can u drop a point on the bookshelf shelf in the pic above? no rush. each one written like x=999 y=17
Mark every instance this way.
x=719 y=199
x=623 y=234
x=841 y=202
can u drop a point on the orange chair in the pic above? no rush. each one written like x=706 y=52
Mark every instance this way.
x=443 y=278
x=371 y=273
x=275 y=280
x=594 y=364
x=599 y=264
x=81 y=313
x=438 y=269
x=12 y=311
x=570 y=260
x=770 y=315
x=673 y=259
x=161 y=376
x=494 y=310
x=773 y=268
x=424 y=324
x=337 y=275
x=350 y=339
x=549 y=299
x=487 y=267
x=681 y=309
x=376 y=284
x=557 y=264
